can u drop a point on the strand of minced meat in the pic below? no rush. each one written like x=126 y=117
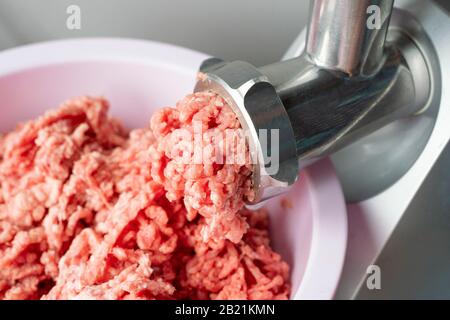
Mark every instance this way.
x=88 y=211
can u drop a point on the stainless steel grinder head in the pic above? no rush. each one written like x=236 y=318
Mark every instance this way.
x=262 y=115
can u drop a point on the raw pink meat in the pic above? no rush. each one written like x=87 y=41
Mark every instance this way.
x=89 y=211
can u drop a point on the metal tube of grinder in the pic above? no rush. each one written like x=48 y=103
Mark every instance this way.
x=340 y=38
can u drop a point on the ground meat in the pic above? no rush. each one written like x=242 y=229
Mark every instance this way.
x=89 y=211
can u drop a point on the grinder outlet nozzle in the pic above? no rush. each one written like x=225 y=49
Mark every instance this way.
x=260 y=111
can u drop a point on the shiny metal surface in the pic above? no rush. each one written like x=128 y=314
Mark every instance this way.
x=329 y=110
x=340 y=36
x=319 y=110
x=258 y=107
x=380 y=159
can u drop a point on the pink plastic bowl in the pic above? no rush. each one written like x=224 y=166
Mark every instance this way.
x=137 y=77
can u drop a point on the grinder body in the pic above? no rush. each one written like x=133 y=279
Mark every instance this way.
x=347 y=83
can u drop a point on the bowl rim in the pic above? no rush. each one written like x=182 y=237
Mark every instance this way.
x=99 y=49
x=319 y=176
